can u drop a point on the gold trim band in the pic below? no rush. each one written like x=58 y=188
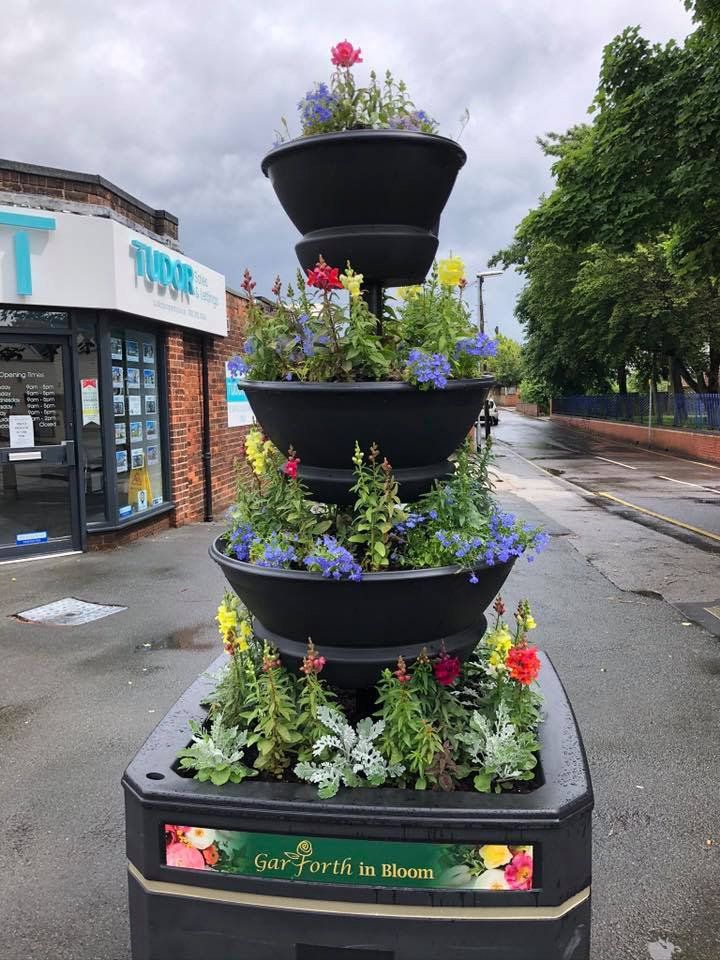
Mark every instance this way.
x=347 y=908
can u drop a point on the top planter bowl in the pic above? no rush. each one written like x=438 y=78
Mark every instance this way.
x=416 y=430
x=373 y=197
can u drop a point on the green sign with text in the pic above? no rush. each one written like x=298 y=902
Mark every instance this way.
x=360 y=862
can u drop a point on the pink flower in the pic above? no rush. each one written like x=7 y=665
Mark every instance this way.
x=345 y=55
x=291 y=468
x=519 y=872
x=181 y=855
x=446 y=670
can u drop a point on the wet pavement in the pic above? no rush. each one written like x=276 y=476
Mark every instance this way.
x=76 y=703
x=684 y=491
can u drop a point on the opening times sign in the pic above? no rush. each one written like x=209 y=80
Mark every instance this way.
x=374 y=863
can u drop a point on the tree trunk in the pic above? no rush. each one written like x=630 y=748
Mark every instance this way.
x=679 y=402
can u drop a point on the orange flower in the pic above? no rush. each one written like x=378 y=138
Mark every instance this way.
x=211 y=855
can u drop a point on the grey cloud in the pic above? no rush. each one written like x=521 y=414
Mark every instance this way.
x=177 y=103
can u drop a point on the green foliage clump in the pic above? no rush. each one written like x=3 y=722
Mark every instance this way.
x=216 y=755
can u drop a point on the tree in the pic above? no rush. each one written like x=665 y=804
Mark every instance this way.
x=636 y=209
x=506 y=365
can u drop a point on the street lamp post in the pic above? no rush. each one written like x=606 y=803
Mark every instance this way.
x=481 y=280
x=481 y=324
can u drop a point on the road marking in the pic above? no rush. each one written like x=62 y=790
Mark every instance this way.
x=660 y=516
x=686 y=483
x=616 y=462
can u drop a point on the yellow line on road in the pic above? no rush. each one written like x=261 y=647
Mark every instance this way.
x=660 y=516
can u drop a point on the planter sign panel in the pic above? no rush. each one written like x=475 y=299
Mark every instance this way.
x=372 y=863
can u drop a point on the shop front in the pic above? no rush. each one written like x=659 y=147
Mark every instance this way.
x=88 y=309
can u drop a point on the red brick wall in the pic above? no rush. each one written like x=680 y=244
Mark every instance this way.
x=227 y=443
x=527 y=409
x=185 y=417
x=693 y=444
x=33 y=180
x=118 y=538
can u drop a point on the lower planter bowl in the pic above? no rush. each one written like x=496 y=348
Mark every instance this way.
x=270 y=872
x=416 y=430
x=367 y=624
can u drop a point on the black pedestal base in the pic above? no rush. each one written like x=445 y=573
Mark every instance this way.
x=249 y=913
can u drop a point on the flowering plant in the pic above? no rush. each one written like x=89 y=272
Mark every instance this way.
x=343 y=105
x=274 y=524
x=314 y=334
x=441 y=724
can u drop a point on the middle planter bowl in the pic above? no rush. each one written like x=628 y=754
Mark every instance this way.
x=416 y=430
x=362 y=627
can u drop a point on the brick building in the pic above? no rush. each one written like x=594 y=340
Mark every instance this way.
x=117 y=417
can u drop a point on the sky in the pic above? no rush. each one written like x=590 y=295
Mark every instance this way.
x=177 y=103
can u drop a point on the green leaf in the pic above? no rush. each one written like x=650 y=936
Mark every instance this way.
x=483 y=782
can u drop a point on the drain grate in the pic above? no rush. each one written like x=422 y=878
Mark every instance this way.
x=67 y=612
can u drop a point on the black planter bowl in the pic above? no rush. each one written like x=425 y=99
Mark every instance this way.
x=373 y=197
x=416 y=430
x=362 y=627
x=191 y=914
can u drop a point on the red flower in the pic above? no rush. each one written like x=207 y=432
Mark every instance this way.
x=291 y=467
x=499 y=606
x=446 y=670
x=324 y=277
x=248 y=284
x=401 y=673
x=523 y=664
x=345 y=55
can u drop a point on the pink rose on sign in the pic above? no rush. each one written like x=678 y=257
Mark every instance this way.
x=519 y=872
x=181 y=855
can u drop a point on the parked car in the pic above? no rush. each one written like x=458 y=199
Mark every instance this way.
x=492 y=412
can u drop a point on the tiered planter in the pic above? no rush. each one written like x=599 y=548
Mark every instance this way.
x=416 y=430
x=363 y=627
x=373 y=197
x=372 y=889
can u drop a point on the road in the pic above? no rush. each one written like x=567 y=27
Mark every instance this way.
x=591 y=487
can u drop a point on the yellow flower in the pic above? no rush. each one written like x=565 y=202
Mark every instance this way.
x=257 y=451
x=530 y=622
x=226 y=620
x=451 y=271
x=497 y=660
x=351 y=281
x=409 y=293
x=500 y=641
x=244 y=636
x=495 y=855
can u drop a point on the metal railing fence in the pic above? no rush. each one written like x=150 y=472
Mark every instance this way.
x=694 y=411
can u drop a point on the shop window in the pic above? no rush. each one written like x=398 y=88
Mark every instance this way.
x=33 y=319
x=136 y=413
x=92 y=462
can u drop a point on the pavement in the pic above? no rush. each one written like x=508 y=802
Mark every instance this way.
x=76 y=703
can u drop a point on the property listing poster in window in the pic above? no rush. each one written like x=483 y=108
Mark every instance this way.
x=137 y=422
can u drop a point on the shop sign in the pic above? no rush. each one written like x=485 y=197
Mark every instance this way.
x=25 y=539
x=96 y=263
x=90 y=401
x=22 y=430
x=372 y=863
x=239 y=410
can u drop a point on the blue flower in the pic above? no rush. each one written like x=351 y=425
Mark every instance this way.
x=332 y=560
x=249 y=346
x=317 y=106
x=431 y=368
x=478 y=346
x=237 y=367
x=241 y=539
x=274 y=554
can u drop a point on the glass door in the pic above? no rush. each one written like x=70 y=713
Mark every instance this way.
x=38 y=489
